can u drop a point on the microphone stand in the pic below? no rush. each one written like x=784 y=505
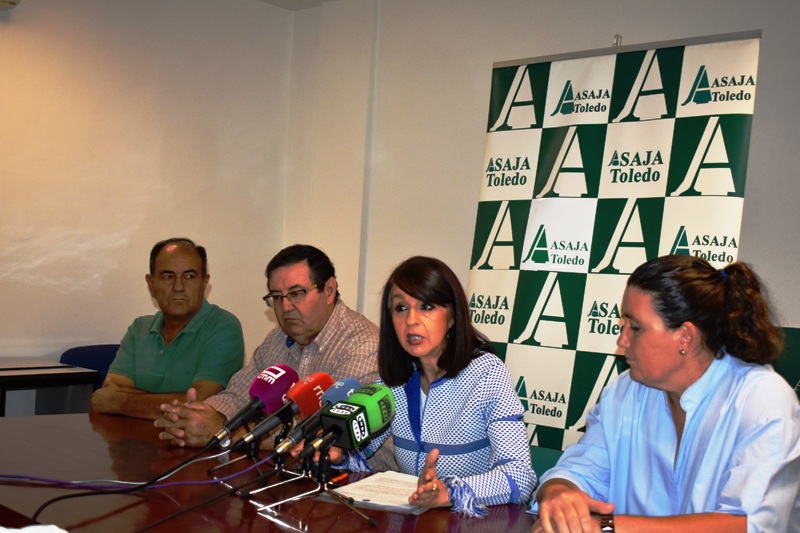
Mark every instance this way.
x=280 y=460
x=323 y=473
x=253 y=452
x=322 y=484
x=280 y=467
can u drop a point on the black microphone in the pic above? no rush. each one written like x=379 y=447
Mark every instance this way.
x=303 y=397
x=338 y=392
x=350 y=424
x=267 y=392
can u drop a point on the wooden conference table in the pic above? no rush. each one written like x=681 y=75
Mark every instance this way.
x=103 y=447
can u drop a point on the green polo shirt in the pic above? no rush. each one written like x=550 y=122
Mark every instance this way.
x=209 y=348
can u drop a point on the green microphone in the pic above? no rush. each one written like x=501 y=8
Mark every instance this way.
x=351 y=423
x=378 y=400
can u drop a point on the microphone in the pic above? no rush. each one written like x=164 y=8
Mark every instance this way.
x=303 y=397
x=267 y=392
x=378 y=400
x=350 y=424
x=338 y=392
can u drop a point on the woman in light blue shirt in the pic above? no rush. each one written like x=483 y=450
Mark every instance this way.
x=700 y=434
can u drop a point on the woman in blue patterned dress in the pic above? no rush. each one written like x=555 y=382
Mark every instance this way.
x=458 y=421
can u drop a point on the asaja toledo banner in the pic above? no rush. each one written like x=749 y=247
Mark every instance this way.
x=593 y=165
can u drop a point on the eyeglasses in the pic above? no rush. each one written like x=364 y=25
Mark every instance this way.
x=294 y=297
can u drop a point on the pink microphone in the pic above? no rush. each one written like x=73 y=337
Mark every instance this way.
x=304 y=398
x=267 y=393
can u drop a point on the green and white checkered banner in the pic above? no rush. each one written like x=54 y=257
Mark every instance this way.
x=594 y=164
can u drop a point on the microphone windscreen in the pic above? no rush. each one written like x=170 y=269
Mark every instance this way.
x=307 y=393
x=271 y=386
x=378 y=402
x=341 y=390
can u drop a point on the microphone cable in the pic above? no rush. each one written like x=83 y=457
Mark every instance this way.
x=126 y=490
x=100 y=484
x=228 y=492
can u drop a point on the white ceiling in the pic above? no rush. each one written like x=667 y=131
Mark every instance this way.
x=296 y=5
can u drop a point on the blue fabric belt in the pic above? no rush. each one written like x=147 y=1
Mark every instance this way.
x=444 y=449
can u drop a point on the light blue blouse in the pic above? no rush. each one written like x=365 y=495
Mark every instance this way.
x=740 y=450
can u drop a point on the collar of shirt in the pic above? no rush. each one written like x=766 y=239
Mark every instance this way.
x=706 y=385
x=193 y=326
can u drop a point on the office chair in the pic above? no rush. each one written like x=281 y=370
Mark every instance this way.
x=97 y=357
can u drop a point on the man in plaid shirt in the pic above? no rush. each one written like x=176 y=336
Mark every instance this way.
x=317 y=333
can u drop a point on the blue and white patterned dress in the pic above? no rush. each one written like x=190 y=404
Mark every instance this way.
x=475 y=420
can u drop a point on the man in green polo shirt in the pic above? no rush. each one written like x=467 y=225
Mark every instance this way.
x=188 y=343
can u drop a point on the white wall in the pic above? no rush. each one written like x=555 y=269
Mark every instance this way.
x=329 y=120
x=357 y=126
x=122 y=123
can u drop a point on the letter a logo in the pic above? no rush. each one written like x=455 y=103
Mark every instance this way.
x=547 y=323
x=647 y=99
x=538 y=252
x=566 y=103
x=519 y=111
x=568 y=177
x=522 y=392
x=626 y=250
x=710 y=170
x=700 y=92
x=499 y=250
x=681 y=244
